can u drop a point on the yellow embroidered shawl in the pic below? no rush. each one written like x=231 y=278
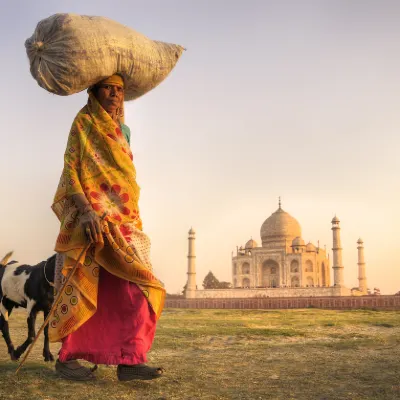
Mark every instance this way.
x=98 y=163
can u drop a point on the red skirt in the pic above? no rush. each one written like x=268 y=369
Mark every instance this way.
x=120 y=332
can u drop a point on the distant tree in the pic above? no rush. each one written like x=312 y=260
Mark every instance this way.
x=224 y=285
x=184 y=289
x=377 y=291
x=210 y=281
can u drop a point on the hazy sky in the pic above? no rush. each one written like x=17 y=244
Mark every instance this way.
x=298 y=99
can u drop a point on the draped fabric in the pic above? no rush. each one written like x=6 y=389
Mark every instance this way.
x=98 y=164
x=120 y=332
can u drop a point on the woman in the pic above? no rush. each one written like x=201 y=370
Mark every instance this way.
x=108 y=314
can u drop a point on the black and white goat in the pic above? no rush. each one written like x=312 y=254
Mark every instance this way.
x=28 y=286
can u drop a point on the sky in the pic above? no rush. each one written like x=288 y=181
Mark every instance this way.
x=298 y=99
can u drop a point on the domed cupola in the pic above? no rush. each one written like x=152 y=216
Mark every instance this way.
x=297 y=242
x=251 y=244
x=298 y=245
x=310 y=247
x=279 y=228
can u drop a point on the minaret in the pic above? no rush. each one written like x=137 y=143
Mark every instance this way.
x=190 y=292
x=337 y=254
x=362 y=279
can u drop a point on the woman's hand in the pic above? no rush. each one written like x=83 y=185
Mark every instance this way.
x=90 y=222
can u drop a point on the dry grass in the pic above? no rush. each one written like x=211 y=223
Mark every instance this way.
x=239 y=354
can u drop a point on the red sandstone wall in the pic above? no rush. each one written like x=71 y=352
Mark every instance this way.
x=383 y=302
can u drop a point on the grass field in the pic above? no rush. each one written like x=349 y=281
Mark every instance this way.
x=238 y=354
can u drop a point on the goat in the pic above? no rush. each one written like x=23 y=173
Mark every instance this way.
x=29 y=287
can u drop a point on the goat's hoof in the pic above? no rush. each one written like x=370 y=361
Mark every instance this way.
x=48 y=357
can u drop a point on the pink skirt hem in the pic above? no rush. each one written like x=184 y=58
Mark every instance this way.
x=120 y=332
x=102 y=358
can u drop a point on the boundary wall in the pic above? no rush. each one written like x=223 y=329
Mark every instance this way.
x=382 y=302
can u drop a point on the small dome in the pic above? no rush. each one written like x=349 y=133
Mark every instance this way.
x=298 y=241
x=192 y=231
x=335 y=220
x=251 y=244
x=310 y=247
x=241 y=248
x=360 y=241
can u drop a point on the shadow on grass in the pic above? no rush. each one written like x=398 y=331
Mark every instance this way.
x=383 y=324
x=29 y=366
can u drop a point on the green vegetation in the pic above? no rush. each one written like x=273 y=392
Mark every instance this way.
x=238 y=354
x=211 y=282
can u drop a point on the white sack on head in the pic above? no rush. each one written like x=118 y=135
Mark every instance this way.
x=69 y=53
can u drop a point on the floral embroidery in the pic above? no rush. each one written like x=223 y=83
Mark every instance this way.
x=110 y=200
x=135 y=215
x=120 y=139
x=126 y=232
x=97 y=158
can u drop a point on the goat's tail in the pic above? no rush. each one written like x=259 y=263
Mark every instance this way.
x=5 y=259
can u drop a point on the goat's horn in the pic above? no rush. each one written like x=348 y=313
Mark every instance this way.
x=5 y=259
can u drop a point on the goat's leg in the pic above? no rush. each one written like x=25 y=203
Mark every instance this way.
x=6 y=335
x=31 y=333
x=6 y=308
x=46 y=348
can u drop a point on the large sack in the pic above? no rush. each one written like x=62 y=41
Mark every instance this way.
x=70 y=52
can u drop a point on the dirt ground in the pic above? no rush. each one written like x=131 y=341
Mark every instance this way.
x=237 y=354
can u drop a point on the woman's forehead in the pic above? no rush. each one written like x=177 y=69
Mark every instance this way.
x=103 y=85
x=115 y=80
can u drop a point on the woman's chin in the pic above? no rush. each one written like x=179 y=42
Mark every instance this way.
x=111 y=110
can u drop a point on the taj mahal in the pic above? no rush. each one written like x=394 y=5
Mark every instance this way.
x=283 y=266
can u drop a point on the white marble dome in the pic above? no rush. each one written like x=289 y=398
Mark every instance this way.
x=280 y=226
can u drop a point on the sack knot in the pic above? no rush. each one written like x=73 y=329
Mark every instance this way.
x=38 y=46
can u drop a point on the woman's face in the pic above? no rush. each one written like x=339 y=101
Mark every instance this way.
x=110 y=97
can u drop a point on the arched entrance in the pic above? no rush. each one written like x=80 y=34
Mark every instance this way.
x=309 y=266
x=246 y=268
x=270 y=274
x=294 y=267
x=295 y=282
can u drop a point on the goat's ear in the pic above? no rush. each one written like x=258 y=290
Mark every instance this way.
x=5 y=259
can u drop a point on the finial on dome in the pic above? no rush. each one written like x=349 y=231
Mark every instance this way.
x=280 y=202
